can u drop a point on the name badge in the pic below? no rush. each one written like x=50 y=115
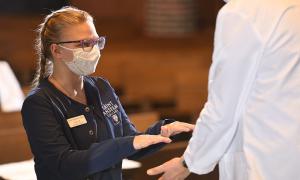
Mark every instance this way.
x=76 y=121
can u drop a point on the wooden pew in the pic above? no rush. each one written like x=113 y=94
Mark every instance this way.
x=152 y=76
x=143 y=120
x=13 y=140
x=191 y=90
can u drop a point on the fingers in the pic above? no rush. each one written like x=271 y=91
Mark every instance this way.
x=175 y=128
x=187 y=125
x=165 y=131
x=143 y=141
x=158 y=139
x=183 y=129
x=156 y=170
x=170 y=170
x=180 y=130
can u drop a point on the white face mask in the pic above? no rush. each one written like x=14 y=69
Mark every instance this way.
x=83 y=63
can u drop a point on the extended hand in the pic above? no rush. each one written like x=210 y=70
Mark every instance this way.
x=172 y=170
x=176 y=128
x=142 y=141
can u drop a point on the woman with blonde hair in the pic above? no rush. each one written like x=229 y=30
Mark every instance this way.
x=75 y=123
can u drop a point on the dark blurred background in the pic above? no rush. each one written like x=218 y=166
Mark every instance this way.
x=157 y=57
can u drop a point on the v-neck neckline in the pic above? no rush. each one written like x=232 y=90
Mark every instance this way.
x=52 y=86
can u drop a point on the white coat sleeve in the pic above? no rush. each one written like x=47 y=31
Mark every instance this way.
x=236 y=54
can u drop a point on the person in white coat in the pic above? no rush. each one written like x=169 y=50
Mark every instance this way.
x=250 y=124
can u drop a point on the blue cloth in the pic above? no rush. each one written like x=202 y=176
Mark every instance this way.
x=89 y=151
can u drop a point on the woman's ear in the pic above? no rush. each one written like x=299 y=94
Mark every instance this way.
x=55 y=51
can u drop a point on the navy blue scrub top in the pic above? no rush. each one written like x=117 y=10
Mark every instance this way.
x=93 y=150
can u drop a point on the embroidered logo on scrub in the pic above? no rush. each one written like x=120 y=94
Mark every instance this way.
x=111 y=110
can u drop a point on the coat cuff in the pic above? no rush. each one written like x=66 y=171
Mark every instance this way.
x=126 y=147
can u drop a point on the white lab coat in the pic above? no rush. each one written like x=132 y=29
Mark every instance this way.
x=250 y=123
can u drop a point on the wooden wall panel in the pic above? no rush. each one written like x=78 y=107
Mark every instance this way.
x=133 y=10
x=109 y=8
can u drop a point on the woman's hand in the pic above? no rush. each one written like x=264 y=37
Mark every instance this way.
x=176 y=128
x=142 y=141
